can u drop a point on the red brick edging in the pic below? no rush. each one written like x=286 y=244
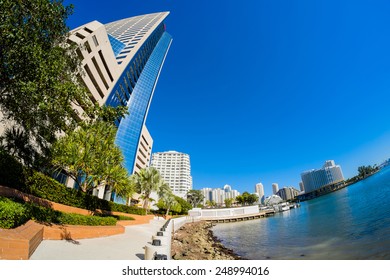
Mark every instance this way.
x=21 y=242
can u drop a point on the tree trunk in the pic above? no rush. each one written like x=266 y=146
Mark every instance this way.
x=146 y=204
x=167 y=211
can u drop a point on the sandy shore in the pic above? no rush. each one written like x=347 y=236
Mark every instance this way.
x=195 y=241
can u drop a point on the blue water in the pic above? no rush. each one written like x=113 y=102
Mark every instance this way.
x=353 y=223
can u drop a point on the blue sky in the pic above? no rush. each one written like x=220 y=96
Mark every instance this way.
x=260 y=91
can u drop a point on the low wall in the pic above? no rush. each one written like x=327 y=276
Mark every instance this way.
x=20 y=243
x=224 y=212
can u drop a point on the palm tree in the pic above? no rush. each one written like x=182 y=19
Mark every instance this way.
x=170 y=202
x=211 y=203
x=121 y=183
x=148 y=180
x=229 y=202
x=164 y=189
x=16 y=142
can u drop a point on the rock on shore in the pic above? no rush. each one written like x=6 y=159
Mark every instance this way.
x=195 y=241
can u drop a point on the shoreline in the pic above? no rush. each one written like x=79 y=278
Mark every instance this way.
x=196 y=241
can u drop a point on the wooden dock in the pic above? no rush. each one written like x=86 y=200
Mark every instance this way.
x=239 y=218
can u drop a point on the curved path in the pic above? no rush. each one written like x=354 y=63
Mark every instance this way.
x=126 y=246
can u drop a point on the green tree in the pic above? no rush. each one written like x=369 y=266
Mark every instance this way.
x=148 y=180
x=240 y=199
x=185 y=206
x=39 y=80
x=364 y=171
x=168 y=203
x=164 y=189
x=247 y=199
x=195 y=197
x=229 y=202
x=211 y=203
x=252 y=199
x=16 y=143
x=123 y=184
x=90 y=156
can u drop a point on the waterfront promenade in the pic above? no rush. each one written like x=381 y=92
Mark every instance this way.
x=126 y=246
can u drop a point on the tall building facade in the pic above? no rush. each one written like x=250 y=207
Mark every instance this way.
x=301 y=186
x=275 y=188
x=122 y=61
x=259 y=189
x=288 y=193
x=207 y=194
x=314 y=179
x=175 y=169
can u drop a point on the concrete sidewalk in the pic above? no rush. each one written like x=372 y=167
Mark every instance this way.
x=127 y=246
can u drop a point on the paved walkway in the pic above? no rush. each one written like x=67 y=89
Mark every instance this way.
x=127 y=246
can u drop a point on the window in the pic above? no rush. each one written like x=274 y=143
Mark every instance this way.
x=125 y=52
x=79 y=54
x=88 y=47
x=95 y=40
x=81 y=36
x=88 y=30
x=105 y=65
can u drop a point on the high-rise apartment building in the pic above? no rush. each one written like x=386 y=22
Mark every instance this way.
x=275 y=188
x=259 y=189
x=207 y=194
x=315 y=179
x=175 y=169
x=301 y=186
x=122 y=61
x=288 y=193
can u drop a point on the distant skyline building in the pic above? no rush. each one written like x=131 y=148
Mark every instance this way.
x=207 y=194
x=301 y=186
x=314 y=179
x=218 y=195
x=259 y=189
x=288 y=193
x=122 y=61
x=175 y=169
x=275 y=188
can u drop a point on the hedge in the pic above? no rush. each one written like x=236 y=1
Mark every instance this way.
x=46 y=187
x=123 y=218
x=14 y=214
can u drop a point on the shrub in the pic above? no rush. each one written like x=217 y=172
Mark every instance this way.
x=185 y=206
x=123 y=218
x=11 y=171
x=77 y=219
x=125 y=209
x=43 y=186
x=12 y=214
x=48 y=215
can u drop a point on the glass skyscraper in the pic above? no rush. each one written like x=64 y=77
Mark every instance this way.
x=122 y=62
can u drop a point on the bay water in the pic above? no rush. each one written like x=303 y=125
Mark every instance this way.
x=352 y=223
